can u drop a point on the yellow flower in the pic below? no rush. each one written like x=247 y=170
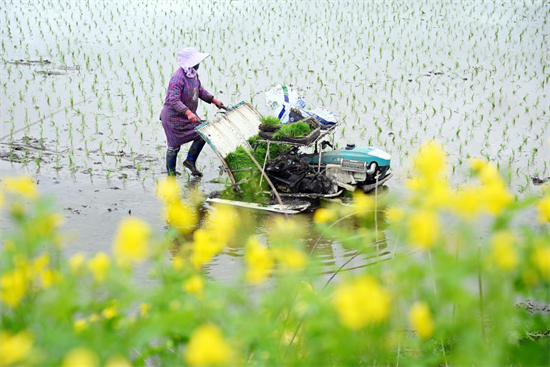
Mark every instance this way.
x=541 y=258
x=14 y=348
x=223 y=220
x=110 y=312
x=98 y=265
x=503 y=252
x=75 y=262
x=493 y=194
x=94 y=317
x=284 y=230
x=23 y=186
x=395 y=214
x=49 y=277
x=207 y=347
x=81 y=357
x=206 y=244
x=360 y=302
x=466 y=203
x=430 y=161
x=259 y=261
x=144 y=308
x=177 y=262
x=323 y=215
x=131 y=244
x=117 y=361
x=194 y=286
x=543 y=206
x=289 y=257
x=13 y=286
x=79 y=325
x=496 y=197
x=168 y=190
x=2 y=198
x=362 y=203
x=46 y=226
x=421 y=320
x=40 y=262
x=181 y=217
x=423 y=228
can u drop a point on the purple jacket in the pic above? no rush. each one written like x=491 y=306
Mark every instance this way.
x=183 y=94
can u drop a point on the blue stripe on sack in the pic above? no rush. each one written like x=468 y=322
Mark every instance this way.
x=282 y=112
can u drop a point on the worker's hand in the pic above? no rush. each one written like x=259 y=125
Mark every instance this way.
x=191 y=116
x=218 y=103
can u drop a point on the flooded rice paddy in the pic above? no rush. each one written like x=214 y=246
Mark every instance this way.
x=83 y=84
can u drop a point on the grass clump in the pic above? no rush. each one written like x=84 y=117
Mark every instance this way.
x=294 y=130
x=270 y=120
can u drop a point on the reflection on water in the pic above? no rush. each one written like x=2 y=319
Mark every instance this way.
x=360 y=247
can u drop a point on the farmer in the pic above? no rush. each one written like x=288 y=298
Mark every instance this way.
x=178 y=116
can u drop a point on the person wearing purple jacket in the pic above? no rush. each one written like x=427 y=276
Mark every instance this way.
x=178 y=115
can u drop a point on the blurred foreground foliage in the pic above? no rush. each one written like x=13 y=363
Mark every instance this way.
x=458 y=284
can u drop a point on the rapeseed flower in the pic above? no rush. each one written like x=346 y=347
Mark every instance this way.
x=224 y=220
x=323 y=215
x=181 y=216
x=14 y=349
x=168 y=190
x=494 y=196
x=75 y=262
x=81 y=357
x=144 y=308
x=195 y=286
x=131 y=245
x=110 y=312
x=466 y=202
x=99 y=265
x=207 y=347
x=23 y=186
x=421 y=320
x=290 y=258
x=423 y=228
x=362 y=203
x=117 y=361
x=14 y=286
x=430 y=161
x=79 y=325
x=395 y=214
x=49 y=277
x=503 y=251
x=543 y=208
x=206 y=245
x=259 y=261
x=360 y=302
x=541 y=259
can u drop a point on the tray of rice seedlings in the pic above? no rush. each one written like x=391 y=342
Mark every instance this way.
x=301 y=132
x=270 y=124
x=247 y=175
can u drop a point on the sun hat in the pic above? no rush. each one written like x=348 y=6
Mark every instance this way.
x=189 y=57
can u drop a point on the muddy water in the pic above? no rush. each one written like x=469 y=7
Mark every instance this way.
x=83 y=85
x=93 y=209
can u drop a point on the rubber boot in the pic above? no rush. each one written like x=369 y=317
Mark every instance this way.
x=192 y=156
x=171 y=159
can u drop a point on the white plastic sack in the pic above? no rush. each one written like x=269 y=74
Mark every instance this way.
x=281 y=99
x=325 y=117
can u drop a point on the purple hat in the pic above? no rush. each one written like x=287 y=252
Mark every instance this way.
x=189 y=57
